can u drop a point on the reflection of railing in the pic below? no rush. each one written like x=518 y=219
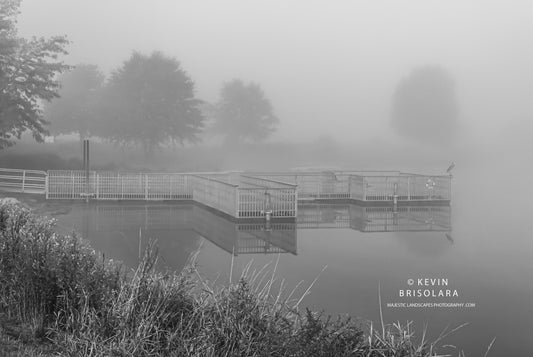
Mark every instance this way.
x=375 y=219
x=233 y=237
x=23 y=181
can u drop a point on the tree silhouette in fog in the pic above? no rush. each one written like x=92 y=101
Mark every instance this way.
x=244 y=113
x=150 y=101
x=28 y=70
x=76 y=109
x=424 y=106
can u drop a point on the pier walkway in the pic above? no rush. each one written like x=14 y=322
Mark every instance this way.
x=239 y=195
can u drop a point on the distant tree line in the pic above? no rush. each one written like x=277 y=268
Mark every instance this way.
x=150 y=101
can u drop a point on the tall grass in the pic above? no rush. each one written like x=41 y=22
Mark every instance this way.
x=85 y=306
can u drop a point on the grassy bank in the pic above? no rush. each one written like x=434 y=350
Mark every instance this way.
x=58 y=296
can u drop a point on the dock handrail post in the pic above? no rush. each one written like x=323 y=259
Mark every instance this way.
x=46 y=182
x=408 y=188
x=86 y=167
x=236 y=190
x=364 y=188
x=97 y=179
x=349 y=186
x=146 y=186
x=23 y=180
x=295 y=202
x=450 y=187
x=395 y=198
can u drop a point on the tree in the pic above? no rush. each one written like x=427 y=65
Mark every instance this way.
x=28 y=69
x=244 y=113
x=150 y=101
x=424 y=106
x=76 y=109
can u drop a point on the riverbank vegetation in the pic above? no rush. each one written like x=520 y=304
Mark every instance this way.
x=59 y=296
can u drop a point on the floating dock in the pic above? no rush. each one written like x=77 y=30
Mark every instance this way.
x=239 y=195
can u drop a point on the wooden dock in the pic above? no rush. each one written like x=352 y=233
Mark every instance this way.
x=239 y=195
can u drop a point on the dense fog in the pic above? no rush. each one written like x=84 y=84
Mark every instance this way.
x=331 y=71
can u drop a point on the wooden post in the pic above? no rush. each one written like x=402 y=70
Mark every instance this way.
x=23 y=180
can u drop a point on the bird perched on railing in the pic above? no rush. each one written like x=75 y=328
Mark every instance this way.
x=450 y=168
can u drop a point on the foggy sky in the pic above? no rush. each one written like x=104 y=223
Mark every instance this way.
x=329 y=67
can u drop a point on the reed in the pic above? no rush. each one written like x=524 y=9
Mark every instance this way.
x=79 y=304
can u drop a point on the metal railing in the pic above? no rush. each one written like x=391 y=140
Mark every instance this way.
x=73 y=185
x=406 y=187
x=240 y=195
x=215 y=193
x=314 y=185
x=258 y=195
x=365 y=185
x=22 y=181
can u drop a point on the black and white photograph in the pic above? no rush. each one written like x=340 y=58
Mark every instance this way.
x=266 y=178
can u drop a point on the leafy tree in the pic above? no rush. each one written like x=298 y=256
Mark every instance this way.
x=244 y=113
x=150 y=101
x=76 y=109
x=425 y=107
x=28 y=69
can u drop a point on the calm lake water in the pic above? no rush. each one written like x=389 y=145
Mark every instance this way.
x=480 y=248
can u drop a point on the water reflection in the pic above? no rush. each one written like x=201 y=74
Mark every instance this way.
x=123 y=230
x=375 y=219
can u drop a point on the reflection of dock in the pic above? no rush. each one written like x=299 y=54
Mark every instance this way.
x=236 y=237
x=154 y=219
x=375 y=219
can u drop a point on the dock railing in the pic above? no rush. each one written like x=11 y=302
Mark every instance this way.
x=23 y=181
x=258 y=195
x=406 y=187
x=238 y=194
x=215 y=193
x=73 y=185
x=366 y=186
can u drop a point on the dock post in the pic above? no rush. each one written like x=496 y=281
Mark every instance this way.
x=146 y=186
x=86 y=167
x=268 y=205
x=395 y=198
x=23 y=180
x=408 y=188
